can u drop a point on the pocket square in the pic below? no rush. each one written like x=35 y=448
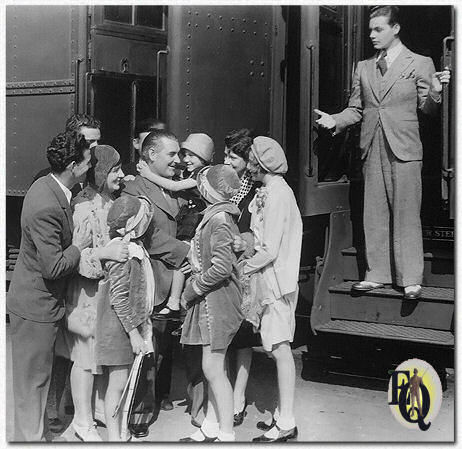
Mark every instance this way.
x=408 y=75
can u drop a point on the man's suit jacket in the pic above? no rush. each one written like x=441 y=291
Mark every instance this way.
x=393 y=101
x=46 y=256
x=167 y=253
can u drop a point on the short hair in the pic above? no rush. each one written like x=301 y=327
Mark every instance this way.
x=66 y=148
x=76 y=121
x=152 y=141
x=239 y=142
x=392 y=12
x=149 y=124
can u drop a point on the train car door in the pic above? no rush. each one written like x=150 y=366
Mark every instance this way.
x=328 y=50
x=127 y=79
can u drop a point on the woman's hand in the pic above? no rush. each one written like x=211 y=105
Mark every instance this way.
x=143 y=168
x=82 y=236
x=115 y=250
x=137 y=342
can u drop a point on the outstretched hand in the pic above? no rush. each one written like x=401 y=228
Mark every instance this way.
x=325 y=120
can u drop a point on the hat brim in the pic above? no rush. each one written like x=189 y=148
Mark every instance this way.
x=206 y=190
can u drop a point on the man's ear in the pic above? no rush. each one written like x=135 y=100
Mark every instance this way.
x=152 y=155
x=396 y=28
x=136 y=144
x=71 y=165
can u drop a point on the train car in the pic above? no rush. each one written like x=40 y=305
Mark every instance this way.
x=217 y=68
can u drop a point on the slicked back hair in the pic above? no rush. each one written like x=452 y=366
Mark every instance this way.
x=392 y=12
x=76 y=121
x=153 y=142
x=65 y=148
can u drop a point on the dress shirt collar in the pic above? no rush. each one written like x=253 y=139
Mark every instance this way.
x=66 y=191
x=392 y=54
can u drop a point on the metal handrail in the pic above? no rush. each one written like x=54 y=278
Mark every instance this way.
x=77 y=63
x=310 y=46
x=159 y=53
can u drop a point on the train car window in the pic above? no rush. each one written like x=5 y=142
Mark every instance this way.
x=150 y=16
x=120 y=14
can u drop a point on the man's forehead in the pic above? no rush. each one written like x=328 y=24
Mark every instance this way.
x=169 y=145
x=90 y=133
x=378 y=21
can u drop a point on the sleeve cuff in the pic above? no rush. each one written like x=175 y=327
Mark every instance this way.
x=436 y=97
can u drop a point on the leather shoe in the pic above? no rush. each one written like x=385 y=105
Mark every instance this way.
x=412 y=292
x=86 y=433
x=239 y=417
x=192 y=440
x=139 y=430
x=172 y=315
x=265 y=427
x=166 y=405
x=365 y=286
x=283 y=436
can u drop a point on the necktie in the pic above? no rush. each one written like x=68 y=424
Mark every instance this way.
x=382 y=63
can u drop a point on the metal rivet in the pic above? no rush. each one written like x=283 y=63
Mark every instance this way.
x=262 y=74
x=244 y=20
x=232 y=30
x=209 y=15
x=251 y=73
x=243 y=31
x=255 y=21
x=232 y=18
x=251 y=62
x=187 y=70
x=220 y=17
x=189 y=24
x=189 y=12
x=254 y=33
x=189 y=36
x=188 y=94
x=196 y=25
x=208 y=27
x=187 y=106
x=197 y=13
x=221 y=28
x=188 y=83
x=188 y=59
x=262 y=63
x=189 y=47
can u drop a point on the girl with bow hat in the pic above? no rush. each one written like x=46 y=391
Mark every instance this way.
x=126 y=327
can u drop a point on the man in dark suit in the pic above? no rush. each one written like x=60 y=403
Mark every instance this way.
x=36 y=296
x=160 y=151
x=387 y=90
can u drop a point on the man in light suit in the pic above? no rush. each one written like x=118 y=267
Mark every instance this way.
x=36 y=296
x=387 y=90
x=160 y=151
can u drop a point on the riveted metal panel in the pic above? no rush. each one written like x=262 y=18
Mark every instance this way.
x=31 y=122
x=43 y=44
x=219 y=70
x=38 y=45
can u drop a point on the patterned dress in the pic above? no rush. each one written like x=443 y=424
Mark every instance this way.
x=86 y=288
